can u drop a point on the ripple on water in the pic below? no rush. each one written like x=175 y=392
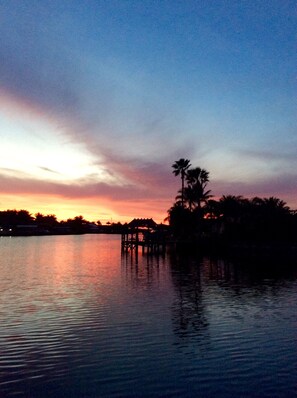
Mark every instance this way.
x=87 y=322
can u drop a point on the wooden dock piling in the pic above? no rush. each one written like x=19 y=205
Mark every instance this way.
x=143 y=233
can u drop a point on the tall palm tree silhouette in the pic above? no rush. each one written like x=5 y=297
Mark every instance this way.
x=198 y=176
x=180 y=167
x=197 y=180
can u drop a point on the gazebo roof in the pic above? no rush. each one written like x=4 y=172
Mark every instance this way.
x=142 y=223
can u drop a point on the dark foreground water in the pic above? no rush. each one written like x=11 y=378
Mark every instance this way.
x=77 y=319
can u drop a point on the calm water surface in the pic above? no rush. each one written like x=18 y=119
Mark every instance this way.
x=78 y=319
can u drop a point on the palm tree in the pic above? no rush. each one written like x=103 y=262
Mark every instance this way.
x=179 y=219
x=179 y=168
x=276 y=204
x=200 y=195
x=189 y=197
x=232 y=206
x=197 y=180
x=197 y=176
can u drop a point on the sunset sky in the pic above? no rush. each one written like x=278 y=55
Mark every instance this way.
x=98 y=98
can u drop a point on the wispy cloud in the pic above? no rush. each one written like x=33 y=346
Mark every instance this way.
x=19 y=183
x=134 y=104
x=286 y=155
x=282 y=186
x=49 y=170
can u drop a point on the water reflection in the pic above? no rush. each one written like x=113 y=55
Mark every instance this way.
x=142 y=272
x=254 y=274
x=145 y=272
x=78 y=318
x=53 y=296
x=189 y=314
x=208 y=286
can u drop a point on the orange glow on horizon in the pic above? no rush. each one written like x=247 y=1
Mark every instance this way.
x=92 y=209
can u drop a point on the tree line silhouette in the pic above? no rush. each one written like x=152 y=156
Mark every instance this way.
x=195 y=215
x=22 y=222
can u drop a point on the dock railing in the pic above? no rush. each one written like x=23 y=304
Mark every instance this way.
x=149 y=241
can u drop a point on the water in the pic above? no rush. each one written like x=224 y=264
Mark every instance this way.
x=77 y=319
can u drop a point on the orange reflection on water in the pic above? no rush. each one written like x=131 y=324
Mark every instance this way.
x=50 y=275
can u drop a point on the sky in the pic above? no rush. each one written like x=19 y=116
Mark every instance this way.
x=98 y=98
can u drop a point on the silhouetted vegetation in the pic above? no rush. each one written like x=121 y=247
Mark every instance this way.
x=195 y=217
x=180 y=167
x=231 y=220
x=21 y=222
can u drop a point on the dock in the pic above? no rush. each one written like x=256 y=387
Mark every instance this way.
x=143 y=233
